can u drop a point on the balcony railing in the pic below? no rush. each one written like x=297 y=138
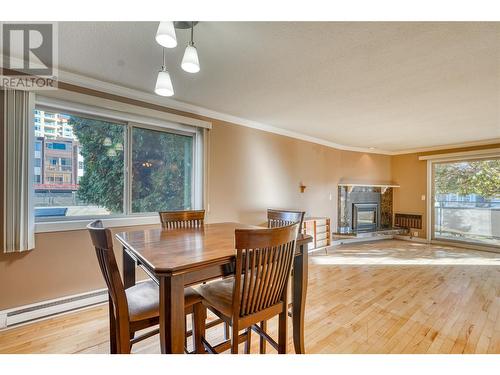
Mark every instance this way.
x=59 y=168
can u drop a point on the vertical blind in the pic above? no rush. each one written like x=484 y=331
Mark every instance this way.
x=18 y=138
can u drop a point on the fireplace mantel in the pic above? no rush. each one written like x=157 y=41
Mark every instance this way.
x=384 y=187
x=371 y=185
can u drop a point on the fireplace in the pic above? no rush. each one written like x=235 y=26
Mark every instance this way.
x=365 y=216
x=364 y=208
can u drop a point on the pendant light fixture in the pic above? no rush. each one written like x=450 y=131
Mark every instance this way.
x=165 y=36
x=164 y=85
x=190 y=62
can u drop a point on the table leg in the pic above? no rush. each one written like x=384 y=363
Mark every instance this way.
x=172 y=320
x=299 y=292
x=128 y=270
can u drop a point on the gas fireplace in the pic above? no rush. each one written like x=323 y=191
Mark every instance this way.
x=365 y=216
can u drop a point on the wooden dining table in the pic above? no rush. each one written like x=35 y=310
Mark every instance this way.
x=181 y=257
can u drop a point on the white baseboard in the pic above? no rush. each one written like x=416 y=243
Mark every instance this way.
x=346 y=240
x=27 y=313
x=410 y=238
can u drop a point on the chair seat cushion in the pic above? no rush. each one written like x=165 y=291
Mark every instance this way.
x=143 y=300
x=219 y=294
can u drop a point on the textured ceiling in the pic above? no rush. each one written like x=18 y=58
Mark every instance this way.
x=392 y=86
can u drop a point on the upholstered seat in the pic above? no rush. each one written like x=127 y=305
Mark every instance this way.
x=219 y=294
x=143 y=300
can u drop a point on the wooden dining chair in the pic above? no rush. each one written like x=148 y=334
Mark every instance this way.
x=279 y=218
x=136 y=308
x=258 y=290
x=182 y=219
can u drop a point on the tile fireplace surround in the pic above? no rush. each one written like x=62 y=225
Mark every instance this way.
x=370 y=205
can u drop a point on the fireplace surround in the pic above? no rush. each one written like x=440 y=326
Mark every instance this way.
x=364 y=208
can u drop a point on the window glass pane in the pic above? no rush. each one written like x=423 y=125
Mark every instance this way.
x=161 y=171
x=467 y=201
x=79 y=165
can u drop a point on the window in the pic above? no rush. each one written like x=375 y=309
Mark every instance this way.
x=466 y=201
x=86 y=177
x=161 y=171
x=55 y=145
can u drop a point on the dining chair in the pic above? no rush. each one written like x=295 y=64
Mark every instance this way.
x=279 y=218
x=258 y=290
x=136 y=308
x=182 y=219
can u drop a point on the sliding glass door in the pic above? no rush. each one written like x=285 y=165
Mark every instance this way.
x=466 y=201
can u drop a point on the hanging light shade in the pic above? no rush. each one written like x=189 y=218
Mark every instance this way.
x=190 y=62
x=164 y=84
x=165 y=36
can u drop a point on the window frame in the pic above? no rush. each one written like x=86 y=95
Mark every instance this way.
x=128 y=121
x=432 y=160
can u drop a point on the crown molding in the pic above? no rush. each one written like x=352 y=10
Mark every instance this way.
x=476 y=154
x=485 y=142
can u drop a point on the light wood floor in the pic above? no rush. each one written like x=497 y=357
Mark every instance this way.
x=382 y=297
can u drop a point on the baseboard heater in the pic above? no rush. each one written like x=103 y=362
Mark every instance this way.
x=45 y=309
x=408 y=221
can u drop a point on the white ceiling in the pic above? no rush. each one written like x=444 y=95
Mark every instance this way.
x=392 y=86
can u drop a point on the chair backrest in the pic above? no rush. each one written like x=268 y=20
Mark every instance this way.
x=103 y=243
x=263 y=264
x=182 y=219
x=280 y=218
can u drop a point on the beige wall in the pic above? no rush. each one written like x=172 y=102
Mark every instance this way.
x=411 y=174
x=249 y=171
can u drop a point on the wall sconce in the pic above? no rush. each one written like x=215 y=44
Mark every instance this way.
x=302 y=187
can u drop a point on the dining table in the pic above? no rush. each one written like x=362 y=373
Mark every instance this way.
x=176 y=258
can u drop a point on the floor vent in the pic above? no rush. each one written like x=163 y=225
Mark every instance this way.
x=25 y=314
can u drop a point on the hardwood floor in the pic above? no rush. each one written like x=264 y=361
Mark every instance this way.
x=381 y=297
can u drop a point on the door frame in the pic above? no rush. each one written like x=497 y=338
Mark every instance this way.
x=451 y=157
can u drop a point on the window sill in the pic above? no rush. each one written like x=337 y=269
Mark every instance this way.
x=62 y=226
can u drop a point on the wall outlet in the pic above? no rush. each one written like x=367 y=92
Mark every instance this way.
x=330 y=196
x=423 y=197
x=415 y=234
